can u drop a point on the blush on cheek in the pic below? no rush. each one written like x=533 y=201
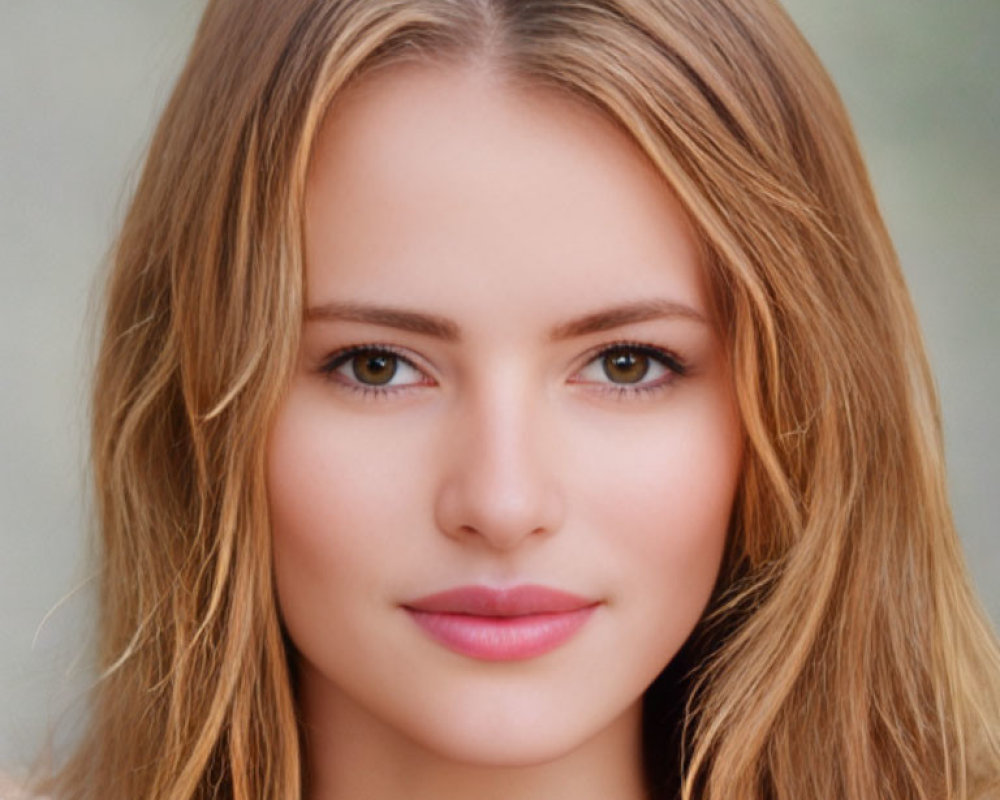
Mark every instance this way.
x=339 y=495
x=300 y=499
x=669 y=497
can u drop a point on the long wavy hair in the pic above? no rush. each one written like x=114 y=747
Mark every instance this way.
x=843 y=654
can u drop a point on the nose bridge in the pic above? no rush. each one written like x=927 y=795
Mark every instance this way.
x=499 y=484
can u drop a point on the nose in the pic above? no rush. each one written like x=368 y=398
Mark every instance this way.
x=499 y=486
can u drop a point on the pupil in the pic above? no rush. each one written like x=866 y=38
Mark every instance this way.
x=375 y=369
x=626 y=366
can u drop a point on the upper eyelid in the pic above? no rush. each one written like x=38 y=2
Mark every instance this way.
x=335 y=360
x=344 y=354
x=668 y=358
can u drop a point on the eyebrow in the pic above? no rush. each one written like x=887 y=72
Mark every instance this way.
x=443 y=328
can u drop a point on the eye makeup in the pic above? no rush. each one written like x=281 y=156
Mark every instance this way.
x=631 y=362
x=368 y=369
x=621 y=369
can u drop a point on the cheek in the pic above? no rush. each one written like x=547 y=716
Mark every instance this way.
x=331 y=510
x=648 y=498
x=662 y=500
x=302 y=497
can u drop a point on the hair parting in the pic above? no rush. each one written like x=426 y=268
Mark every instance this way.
x=844 y=654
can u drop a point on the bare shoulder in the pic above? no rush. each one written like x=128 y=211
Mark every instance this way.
x=10 y=789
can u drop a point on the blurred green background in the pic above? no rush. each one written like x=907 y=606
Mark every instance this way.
x=81 y=84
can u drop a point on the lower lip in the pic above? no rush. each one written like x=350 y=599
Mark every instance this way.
x=501 y=638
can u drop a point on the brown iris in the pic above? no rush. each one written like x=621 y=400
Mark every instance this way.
x=623 y=365
x=375 y=369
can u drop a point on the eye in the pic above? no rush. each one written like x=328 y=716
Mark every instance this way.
x=626 y=367
x=374 y=369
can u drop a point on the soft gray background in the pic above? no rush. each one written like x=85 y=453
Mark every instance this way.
x=80 y=86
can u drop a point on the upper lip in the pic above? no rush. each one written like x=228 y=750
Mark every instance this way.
x=502 y=602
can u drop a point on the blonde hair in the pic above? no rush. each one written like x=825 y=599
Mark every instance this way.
x=844 y=652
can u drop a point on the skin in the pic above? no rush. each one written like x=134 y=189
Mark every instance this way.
x=504 y=455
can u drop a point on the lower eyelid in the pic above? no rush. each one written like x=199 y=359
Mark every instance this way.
x=331 y=368
x=594 y=364
x=671 y=365
x=402 y=363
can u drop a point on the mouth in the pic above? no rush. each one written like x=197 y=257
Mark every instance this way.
x=508 y=624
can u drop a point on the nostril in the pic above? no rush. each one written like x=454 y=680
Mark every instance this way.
x=498 y=483
x=500 y=516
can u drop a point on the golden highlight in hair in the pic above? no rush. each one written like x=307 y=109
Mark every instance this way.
x=844 y=654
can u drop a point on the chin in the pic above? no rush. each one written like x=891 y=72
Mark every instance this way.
x=479 y=746
x=511 y=734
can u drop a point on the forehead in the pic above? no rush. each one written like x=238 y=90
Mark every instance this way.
x=427 y=179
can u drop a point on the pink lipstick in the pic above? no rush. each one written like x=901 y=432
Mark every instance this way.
x=501 y=624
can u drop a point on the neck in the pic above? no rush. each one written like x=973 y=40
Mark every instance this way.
x=352 y=753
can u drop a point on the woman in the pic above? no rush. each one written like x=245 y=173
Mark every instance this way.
x=521 y=398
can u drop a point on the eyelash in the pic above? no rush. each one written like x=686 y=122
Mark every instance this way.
x=675 y=366
x=341 y=357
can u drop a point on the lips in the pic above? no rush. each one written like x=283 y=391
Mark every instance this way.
x=515 y=601
x=501 y=624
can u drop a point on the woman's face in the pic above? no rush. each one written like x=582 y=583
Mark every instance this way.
x=508 y=378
